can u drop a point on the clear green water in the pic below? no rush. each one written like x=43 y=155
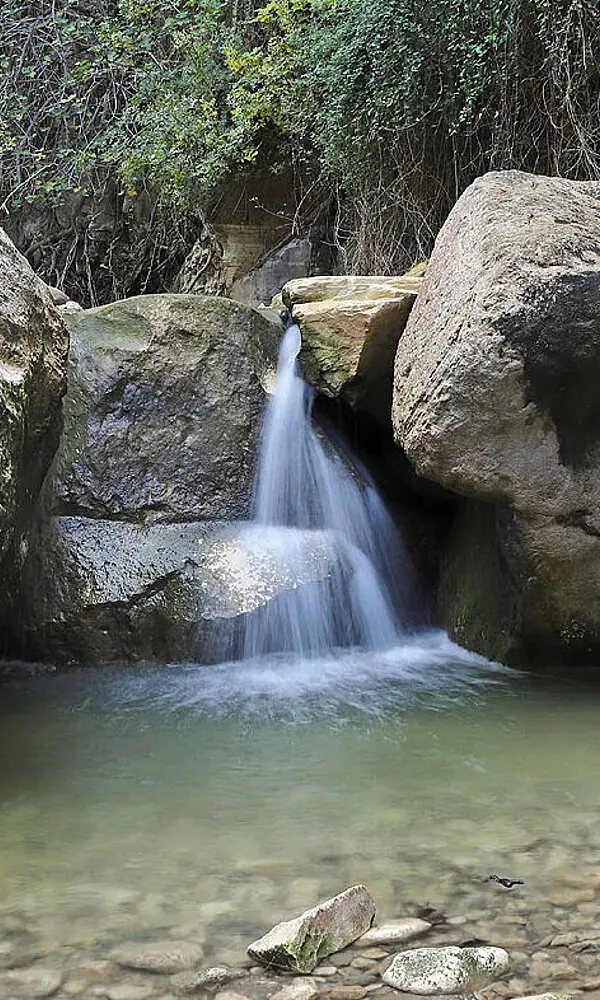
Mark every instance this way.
x=140 y=802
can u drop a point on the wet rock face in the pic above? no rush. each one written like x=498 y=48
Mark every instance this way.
x=495 y=399
x=447 y=971
x=300 y=944
x=162 y=418
x=99 y=591
x=33 y=360
x=163 y=409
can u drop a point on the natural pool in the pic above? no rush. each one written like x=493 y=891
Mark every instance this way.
x=211 y=802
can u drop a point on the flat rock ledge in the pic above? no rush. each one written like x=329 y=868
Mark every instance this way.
x=450 y=970
x=300 y=944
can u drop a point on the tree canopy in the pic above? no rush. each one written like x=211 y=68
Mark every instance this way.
x=393 y=105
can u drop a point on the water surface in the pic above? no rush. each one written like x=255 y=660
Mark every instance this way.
x=222 y=799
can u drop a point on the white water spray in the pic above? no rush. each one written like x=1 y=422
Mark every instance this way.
x=302 y=487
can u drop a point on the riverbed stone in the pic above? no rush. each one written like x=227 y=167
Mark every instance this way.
x=168 y=956
x=230 y=995
x=36 y=982
x=305 y=988
x=569 y=897
x=129 y=991
x=203 y=979
x=447 y=970
x=547 y=996
x=300 y=944
x=346 y=992
x=396 y=931
x=496 y=400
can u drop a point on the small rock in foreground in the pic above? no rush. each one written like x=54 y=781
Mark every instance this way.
x=128 y=991
x=228 y=995
x=396 y=931
x=203 y=979
x=547 y=996
x=346 y=992
x=300 y=944
x=158 y=956
x=36 y=982
x=446 y=970
x=299 y=989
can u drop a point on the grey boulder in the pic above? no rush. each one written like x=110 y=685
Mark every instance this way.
x=163 y=409
x=430 y=971
x=496 y=399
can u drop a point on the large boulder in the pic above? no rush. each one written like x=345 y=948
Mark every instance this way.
x=496 y=399
x=350 y=329
x=33 y=361
x=162 y=418
x=109 y=591
x=163 y=410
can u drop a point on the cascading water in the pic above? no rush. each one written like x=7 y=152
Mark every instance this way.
x=309 y=497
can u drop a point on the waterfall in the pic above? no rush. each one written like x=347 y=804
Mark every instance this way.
x=307 y=489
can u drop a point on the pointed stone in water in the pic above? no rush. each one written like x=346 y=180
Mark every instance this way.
x=447 y=970
x=300 y=944
x=396 y=931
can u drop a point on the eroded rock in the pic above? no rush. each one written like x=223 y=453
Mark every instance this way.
x=350 y=328
x=300 y=944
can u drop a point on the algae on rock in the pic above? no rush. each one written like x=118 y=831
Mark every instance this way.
x=300 y=944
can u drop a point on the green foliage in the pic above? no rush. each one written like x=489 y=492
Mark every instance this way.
x=397 y=104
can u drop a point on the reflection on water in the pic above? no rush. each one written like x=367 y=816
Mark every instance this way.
x=146 y=800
